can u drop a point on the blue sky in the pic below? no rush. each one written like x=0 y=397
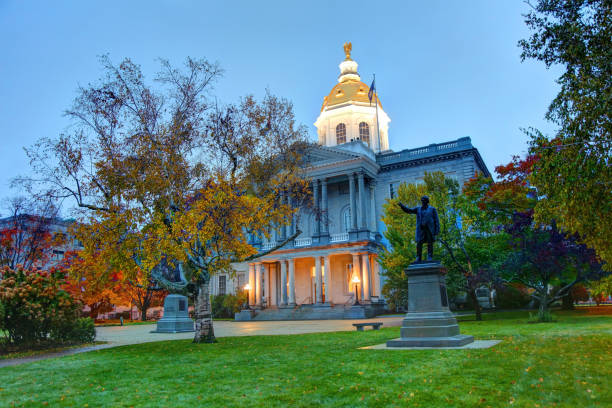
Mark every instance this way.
x=444 y=69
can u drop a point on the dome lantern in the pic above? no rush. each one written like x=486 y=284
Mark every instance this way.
x=348 y=107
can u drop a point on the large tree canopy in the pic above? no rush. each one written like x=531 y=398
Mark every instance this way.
x=163 y=176
x=466 y=244
x=574 y=170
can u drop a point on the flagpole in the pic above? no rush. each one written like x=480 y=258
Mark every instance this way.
x=377 y=126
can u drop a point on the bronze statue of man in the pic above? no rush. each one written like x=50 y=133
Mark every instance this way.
x=428 y=226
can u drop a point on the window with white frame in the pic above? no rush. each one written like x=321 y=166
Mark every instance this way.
x=341 y=133
x=391 y=190
x=364 y=133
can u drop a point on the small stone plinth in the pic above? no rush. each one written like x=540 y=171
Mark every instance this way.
x=176 y=316
x=244 y=315
x=429 y=322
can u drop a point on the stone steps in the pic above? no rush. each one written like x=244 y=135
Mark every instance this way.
x=312 y=312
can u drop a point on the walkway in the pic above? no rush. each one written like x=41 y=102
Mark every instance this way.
x=141 y=333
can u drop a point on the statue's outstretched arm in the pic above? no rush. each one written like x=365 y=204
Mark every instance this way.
x=406 y=209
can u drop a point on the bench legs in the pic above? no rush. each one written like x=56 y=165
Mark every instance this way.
x=360 y=328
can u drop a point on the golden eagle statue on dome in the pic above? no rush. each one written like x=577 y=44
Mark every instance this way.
x=347 y=50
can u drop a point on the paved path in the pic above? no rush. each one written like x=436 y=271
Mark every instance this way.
x=121 y=335
x=141 y=333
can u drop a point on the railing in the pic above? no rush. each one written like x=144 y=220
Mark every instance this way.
x=301 y=242
x=342 y=237
x=267 y=245
x=425 y=151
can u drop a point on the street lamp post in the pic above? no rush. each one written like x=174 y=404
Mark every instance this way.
x=247 y=287
x=356 y=282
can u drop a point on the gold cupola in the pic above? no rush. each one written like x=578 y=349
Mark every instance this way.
x=349 y=87
x=347 y=110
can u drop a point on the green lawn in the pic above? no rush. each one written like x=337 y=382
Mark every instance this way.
x=563 y=364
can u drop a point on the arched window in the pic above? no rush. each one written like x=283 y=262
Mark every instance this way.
x=341 y=133
x=346 y=219
x=364 y=133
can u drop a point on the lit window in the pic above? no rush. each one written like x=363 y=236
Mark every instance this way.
x=364 y=133
x=341 y=133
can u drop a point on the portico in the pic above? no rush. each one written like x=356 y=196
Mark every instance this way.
x=320 y=277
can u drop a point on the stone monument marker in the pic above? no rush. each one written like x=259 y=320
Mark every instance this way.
x=176 y=316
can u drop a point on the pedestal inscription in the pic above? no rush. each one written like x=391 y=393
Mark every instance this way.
x=429 y=322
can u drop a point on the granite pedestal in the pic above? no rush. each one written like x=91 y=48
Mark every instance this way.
x=176 y=316
x=429 y=322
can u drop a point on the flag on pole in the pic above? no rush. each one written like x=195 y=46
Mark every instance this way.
x=372 y=90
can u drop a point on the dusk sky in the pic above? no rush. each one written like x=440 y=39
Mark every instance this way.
x=444 y=69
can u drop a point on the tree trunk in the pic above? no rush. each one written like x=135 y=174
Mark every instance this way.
x=567 y=301
x=143 y=313
x=204 y=332
x=143 y=307
x=477 y=308
x=94 y=310
x=543 y=305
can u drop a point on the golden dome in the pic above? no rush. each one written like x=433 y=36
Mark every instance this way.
x=349 y=91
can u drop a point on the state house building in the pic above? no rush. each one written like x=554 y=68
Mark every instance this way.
x=353 y=171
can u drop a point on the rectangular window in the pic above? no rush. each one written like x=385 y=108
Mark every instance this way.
x=58 y=255
x=222 y=284
x=241 y=281
x=391 y=191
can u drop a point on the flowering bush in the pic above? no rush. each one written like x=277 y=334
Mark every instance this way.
x=35 y=309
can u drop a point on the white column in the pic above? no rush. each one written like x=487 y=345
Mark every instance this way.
x=317 y=212
x=373 y=208
x=272 y=285
x=353 y=203
x=258 y=283
x=283 y=229
x=363 y=223
x=324 y=209
x=375 y=277
x=252 y=284
x=266 y=285
x=318 y=280
x=366 y=276
x=291 y=282
x=283 y=264
x=327 y=279
x=289 y=226
x=357 y=271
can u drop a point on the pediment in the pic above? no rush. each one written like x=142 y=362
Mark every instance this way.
x=323 y=154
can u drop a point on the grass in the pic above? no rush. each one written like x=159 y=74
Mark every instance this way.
x=562 y=364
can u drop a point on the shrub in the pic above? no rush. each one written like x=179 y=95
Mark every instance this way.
x=511 y=297
x=36 y=310
x=543 y=316
x=224 y=306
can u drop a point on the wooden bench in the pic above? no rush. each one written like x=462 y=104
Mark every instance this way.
x=360 y=326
